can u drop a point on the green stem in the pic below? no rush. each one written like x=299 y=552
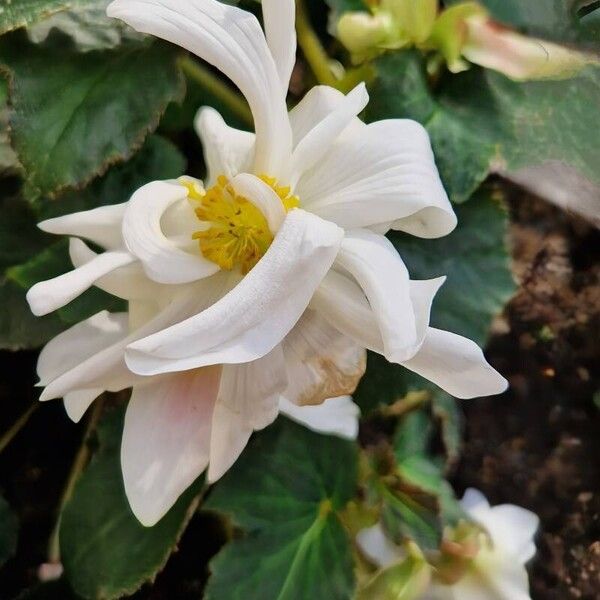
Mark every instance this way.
x=202 y=76
x=311 y=46
x=8 y=436
x=81 y=460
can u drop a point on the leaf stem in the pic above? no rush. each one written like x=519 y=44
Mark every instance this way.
x=9 y=435
x=224 y=93
x=311 y=46
x=81 y=460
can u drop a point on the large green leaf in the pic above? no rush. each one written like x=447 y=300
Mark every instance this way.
x=475 y=259
x=106 y=552
x=8 y=531
x=285 y=492
x=74 y=114
x=8 y=158
x=20 y=13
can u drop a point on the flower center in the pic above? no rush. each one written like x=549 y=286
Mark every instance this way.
x=236 y=233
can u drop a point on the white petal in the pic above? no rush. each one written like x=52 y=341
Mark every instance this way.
x=518 y=526
x=320 y=361
x=279 y=17
x=498 y=578
x=227 y=151
x=166 y=440
x=376 y=546
x=47 y=296
x=457 y=365
x=73 y=346
x=77 y=403
x=100 y=225
x=376 y=265
x=311 y=149
x=263 y=197
x=106 y=369
x=317 y=104
x=231 y=40
x=248 y=400
x=258 y=313
x=128 y=282
x=162 y=260
x=382 y=173
x=341 y=301
x=474 y=500
x=335 y=416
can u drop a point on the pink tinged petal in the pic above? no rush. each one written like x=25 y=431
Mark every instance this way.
x=162 y=260
x=227 y=151
x=47 y=296
x=316 y=105
x=77 y=402
x=317 y=142
x=248 y=400
x=279 y=17
x=457 y=365
x=128 y=282
x=320 y=361
x=166 y=440
x=263 y=197
x=258 y=313
x=519 y=57
x=377 y=267
x=382 y=174
x=231 y=40
x=335 y=416
x=100 y=225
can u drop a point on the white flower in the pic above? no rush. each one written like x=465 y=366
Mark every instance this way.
x=268 y=282
x=497 y=572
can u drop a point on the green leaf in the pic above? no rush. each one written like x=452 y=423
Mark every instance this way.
x=475 y=259
x=106 y=552
x=19 y=328
x=445 y=409
x=8 y=531
x=285 y=492
x=20 y=13
x=74 y=114
x=8 y=159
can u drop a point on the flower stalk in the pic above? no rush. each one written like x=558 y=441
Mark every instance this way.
x=12 y=432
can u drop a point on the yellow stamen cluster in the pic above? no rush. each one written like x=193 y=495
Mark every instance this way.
x=237 y=233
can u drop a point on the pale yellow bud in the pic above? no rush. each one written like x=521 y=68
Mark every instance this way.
x=415 y=18
x=362 y=33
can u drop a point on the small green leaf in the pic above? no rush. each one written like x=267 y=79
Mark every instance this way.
x=8 y=531
x=20 y=13
x=8 y=159
x=74 y=114
x=106 y=552
x=445 y=409
x=406 y=580
x=285 y=492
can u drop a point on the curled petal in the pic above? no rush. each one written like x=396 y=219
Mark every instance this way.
x=47 y=296
x=258 y=313
x=100 y=225
x=457 y=365
x=380 y=174
x=77 y=402
x=162 y=259
x=263 y=197
x=336 y=416
x=166 y=440
x=227 y=151
x=377 y=267
x=279 y=17
x=231 y=40
x=318 y=141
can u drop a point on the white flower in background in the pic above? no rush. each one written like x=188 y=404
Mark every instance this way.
x=498 y=570
x=264 y=284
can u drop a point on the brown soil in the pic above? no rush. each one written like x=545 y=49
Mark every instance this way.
x=539 y=445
